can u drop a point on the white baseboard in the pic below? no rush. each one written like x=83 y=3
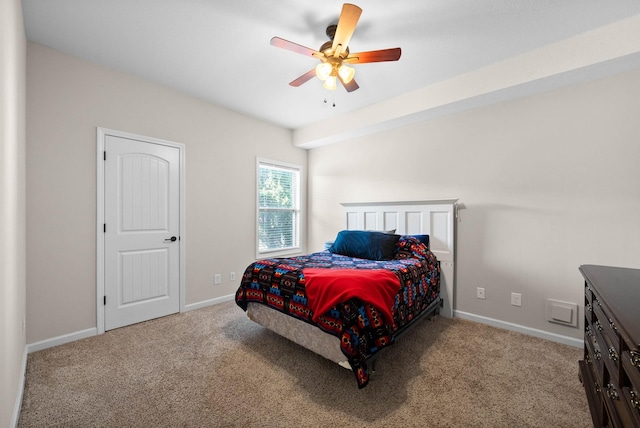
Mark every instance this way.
x=578 y=343
x=60 y=340
x=210 y=302
x=23 y=376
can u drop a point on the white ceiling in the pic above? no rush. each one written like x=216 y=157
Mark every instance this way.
x=219 y=50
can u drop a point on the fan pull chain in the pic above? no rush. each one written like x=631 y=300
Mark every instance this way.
x=334 y=102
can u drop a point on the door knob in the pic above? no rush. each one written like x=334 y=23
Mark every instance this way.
x=172 y=239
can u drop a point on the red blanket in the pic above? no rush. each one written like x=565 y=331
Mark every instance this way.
x=327 y=287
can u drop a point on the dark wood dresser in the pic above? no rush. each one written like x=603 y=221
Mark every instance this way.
x=610 y=371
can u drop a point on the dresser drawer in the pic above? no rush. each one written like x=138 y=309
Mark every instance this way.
x=617 y=406
x=588 y=312
x=588 y=293
x=592 y=389
x=631 y=390
x=631 y=365
x=632 y=398
x=609 y=355
x=606 y=325
x=588 y=302
x=596 y=363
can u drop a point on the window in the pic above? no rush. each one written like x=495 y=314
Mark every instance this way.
x=278 y=208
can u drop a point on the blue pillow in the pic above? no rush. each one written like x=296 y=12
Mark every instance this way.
x=365 y=244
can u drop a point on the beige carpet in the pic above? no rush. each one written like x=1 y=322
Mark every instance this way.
x=215 y=368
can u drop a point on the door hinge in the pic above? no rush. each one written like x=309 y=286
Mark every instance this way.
x=105 y=300
x=104 y=155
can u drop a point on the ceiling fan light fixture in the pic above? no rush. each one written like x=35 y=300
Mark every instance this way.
x=335 y=52
x=323 y=70
x=330 y=83
x=346 y=73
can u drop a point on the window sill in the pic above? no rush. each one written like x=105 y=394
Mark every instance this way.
x=279 y=254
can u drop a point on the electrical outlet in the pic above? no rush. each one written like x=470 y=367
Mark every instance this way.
x=217 y=279
x=232 y=276
x=480 y=293
x=516 y=299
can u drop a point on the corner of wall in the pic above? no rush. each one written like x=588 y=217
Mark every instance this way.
x=13 y=48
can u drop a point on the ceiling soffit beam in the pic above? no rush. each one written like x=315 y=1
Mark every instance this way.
x=605 y=51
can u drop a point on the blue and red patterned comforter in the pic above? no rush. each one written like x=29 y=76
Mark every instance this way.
x=280 y=284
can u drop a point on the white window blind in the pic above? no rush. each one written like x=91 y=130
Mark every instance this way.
x=278 y=207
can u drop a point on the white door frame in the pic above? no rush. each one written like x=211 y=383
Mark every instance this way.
x=101 y=137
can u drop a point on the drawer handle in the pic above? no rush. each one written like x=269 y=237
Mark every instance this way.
x=611 y=391
x=635 y=358
x=613 y=356
x=598 y=326
x=635 y=402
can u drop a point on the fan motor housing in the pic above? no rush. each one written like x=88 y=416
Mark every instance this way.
x=327 y=50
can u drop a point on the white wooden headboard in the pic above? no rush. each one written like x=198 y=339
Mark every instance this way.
x=435 y=218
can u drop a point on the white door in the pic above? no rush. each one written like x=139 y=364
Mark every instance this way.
x=141 y=231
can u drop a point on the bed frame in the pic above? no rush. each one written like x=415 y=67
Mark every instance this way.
x=435 y=218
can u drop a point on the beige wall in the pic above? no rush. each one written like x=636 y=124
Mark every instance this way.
x=548 y=182
x=13 y=47
x=67 y=99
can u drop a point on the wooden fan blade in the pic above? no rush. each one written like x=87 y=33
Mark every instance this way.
x=304 y=78
x=294 y=47
x=374 y=56
x=351 y=86
x=346 y=26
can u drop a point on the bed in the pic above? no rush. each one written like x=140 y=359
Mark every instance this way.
x=355 y=298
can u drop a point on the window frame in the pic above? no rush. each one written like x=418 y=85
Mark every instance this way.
x=297 y=210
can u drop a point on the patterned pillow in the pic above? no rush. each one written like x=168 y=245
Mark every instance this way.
x=422 y=238
x=410 y=247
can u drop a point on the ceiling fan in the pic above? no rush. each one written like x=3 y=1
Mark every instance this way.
x=334 y=54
